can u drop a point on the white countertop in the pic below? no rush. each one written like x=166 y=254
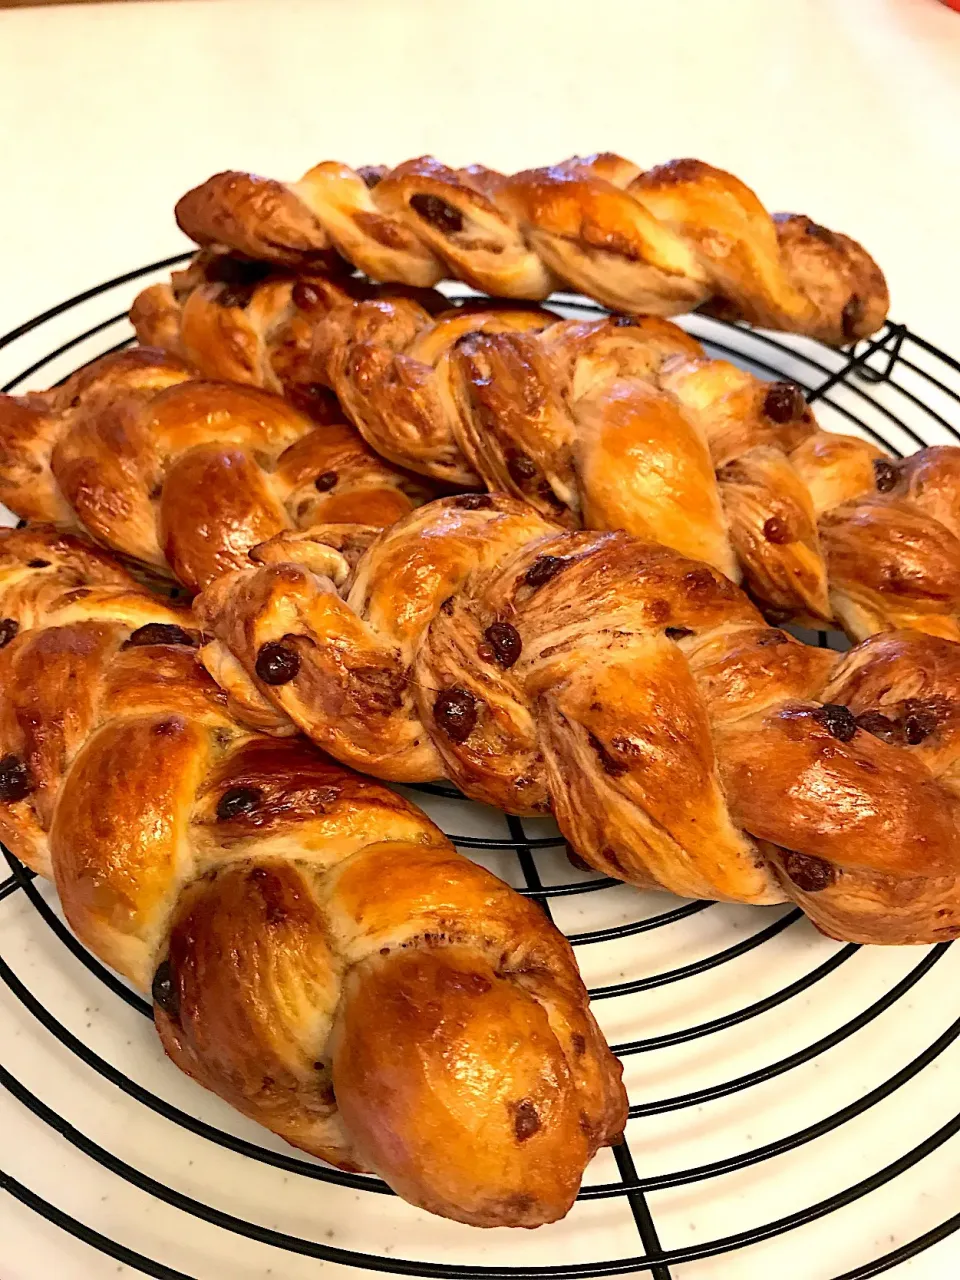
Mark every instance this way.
x=847 y=110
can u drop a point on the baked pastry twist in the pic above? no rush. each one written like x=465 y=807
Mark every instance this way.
x=671 y=239
x=608 y=423
x=181 y=475
x=318 y=953
x=679 y=740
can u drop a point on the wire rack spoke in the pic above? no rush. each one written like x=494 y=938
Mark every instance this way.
x=877 y=386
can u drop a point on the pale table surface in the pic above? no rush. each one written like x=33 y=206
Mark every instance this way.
x=847 y=110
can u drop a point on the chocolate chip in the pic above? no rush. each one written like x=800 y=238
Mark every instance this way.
x=615 y=768
x=160 y=633
x=372 y=174
x=521 y=468
x=165 y=991
x=526 y=1122
x=8 y=629
x=886 y=475
x=505 y=642
x=543 y=569
x=236 y=801
x=305 y=296
x=809 y=874
x=839 y=722
x=455 y=712
x=771 y=638
x=236 y=295
x=851 y=315
x=882 y=727
x=579 y=1044
x=446 y=606
x=437 y=212
x=784 y=402
x=623 y=322
x=15 y=780
x=677 y=633
x=919 y=723
x=324 y=483
x=474 y=502
x=777 y=531
x=38 y=564
x=277 y=663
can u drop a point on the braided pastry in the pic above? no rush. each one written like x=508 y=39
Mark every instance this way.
x=608 y=423
x=319 y=955
x=674 y=238
x=679 y=740
x=180 y=475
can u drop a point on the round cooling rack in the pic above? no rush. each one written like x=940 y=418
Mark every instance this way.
x=793 y=1100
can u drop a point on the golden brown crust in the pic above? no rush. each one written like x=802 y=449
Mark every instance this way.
x=184 y=475
x=284 y=912
x=679 y=740
x=680 y=236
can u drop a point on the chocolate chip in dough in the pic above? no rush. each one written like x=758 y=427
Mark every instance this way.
x=839 y=722
x=236 y=801
x=543 y=569
x=277 y=663
x=160 y=633
x=474 y=502
x=8 y=629
x=784 y=402
x=919 y=722
x=165 y=992
x=777 y=531
x=882 y=727
x=521 y=468
x=504 y=640
x=526 y=1122
x=677 y=633
x=38 y=564
x=455 y=712
x=809 y=874
x=886 y=474
x=437 y=212
x=15 y=780
x=325 y=482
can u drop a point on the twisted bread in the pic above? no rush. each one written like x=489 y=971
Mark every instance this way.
x=618 y=423
x=678 y=739
x=319 y=954
x=182 y=475
x=668 y=240
x=610 y=423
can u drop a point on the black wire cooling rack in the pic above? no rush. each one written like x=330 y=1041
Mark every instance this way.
x=896 y=389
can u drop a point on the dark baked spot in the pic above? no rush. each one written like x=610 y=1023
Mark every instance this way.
x=677 y=633
x=579 y=1044
x=839 y=721
x=882 y=727
x=526 y=1122
x=38 y=564
x=809 y=874
x=771 y=637
x=325 y=482
x=224 y=268
x=437 y=212
x=447 y=606
x=160 y=633
x=658 y=610
x=165 y=991
x=784 y=402
x=885 y=474
x=517 y=1205
x=623 y=322
x=236 y=801
x=8 y=629
x=474 y=984
x=851 y=315
x=474 y=502
x=383 y=687
x=521 y=468
x=615 y=768
x=15 y=779
x=168 y=728
x=236 y=295
x=576 y=861
x=271 y=894
x=277 y=663
x=543 y=569
x=777 y=531
x=822 y=233
x=505 y=642
x=455 y=712
x=919 y=722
